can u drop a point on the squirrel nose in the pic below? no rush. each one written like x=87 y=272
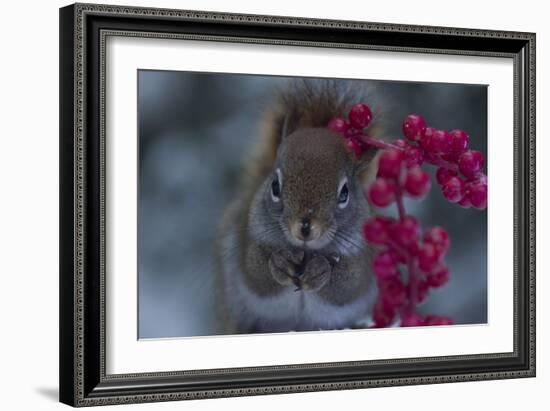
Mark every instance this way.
x=305 y=227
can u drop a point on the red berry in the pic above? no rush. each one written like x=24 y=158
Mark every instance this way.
x=426 y=139
x=451 y=157
x=444 y=174
x=439 y=238
x=382 y=192
x=477 y=194
x=459 y=141
x=360 y=116
x=417 y=182
x=354 y=146
x=376 y=230
x=383 y=314
x=413 y=127
x=338 y=125
x=413 y=249
x=440 y=142
x=411 y=320
x=406 y=231
x=470 y=163
x=438 y=320
x=438 y=277
x=352 y=133
x=414 y=156
x=389 y=164
x=465 y=202
x=393 y=292
x=385 y=266
x=453 y=189
x=401 y=257
x=428 y=257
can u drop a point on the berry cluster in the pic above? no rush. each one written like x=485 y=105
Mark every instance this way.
x=402 y=247
x=459 y=170
x=359 y=117
x=449 y=151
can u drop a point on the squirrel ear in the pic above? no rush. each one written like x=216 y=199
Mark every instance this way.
x=367 y=166
x=285 y=127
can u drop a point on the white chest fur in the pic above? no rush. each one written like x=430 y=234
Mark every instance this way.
x=289 y=309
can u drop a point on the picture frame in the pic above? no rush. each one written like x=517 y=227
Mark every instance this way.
x=84 y=82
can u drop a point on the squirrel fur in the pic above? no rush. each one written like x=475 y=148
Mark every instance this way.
x=291 y=254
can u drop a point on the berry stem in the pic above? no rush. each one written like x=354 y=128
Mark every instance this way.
x=461 y=179
x=413 y=286
x=439 y=162
x=410 y=308
x=400 y=203
x=430 y=158
x=374 y=142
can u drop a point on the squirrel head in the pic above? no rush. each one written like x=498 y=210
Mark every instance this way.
x=315 y=191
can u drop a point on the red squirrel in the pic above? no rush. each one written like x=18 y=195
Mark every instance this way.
x=291 y=255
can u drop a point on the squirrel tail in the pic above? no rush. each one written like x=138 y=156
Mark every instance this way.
x=307 y=103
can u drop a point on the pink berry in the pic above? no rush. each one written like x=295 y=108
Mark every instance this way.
x=393 y=292
x=438 y=320
x=389 y=164
x=360 y=116
x=376 y=230
x=428 y=257
x=470 y=163
x=417 y=182
x=354 y=146
x=439 y=238
x=406 y=231
x=413 y=127
x=453 y=189
x=440 y=142
x=414 y=156
x=338 y=125
x=444 y=174
x=477 y=194
x=383 y=314
x=459 y=141
x=411 y=320
x=382 y=192
x=438 y=277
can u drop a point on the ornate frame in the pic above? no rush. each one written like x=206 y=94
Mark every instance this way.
x=83 y=31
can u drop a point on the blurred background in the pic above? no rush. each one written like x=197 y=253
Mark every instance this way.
x=194 y=132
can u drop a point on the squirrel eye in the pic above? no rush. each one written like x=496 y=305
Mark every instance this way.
x=276 y=187
x=343 y=196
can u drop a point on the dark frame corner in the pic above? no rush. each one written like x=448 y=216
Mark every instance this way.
x=83 y=380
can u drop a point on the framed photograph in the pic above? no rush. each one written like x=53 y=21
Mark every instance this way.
x=261 y=204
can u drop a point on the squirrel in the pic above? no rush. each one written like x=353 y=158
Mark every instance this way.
x=291 y=256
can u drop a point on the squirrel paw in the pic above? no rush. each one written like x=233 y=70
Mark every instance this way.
x=316 y=273
x=283 y=265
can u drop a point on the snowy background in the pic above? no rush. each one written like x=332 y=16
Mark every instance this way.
x=194 y=131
